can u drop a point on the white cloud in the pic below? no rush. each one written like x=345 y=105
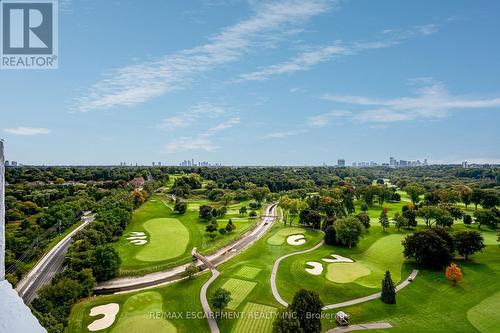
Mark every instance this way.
x=135 y=84
x=202 y=141
x=194 y=114
x=430 y=101
x=284 y=134
x=306 y=60
x=27 y=130
x=326 y=118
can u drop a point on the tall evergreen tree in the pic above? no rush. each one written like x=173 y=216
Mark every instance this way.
x=388 y=289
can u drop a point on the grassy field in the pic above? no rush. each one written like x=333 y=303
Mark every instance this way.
x=171 y=236
x=260 y=301
x=280 y=236
x=484 y=316
x=253 y=322
x=136 y=309
x=168 y=238
x=239 y=290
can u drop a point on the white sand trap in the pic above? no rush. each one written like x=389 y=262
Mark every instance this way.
x=109 y=311
x=296 y=240
x=317 y=268
x=138 y=241
x=137 y=237
x=137 y=233
x=337 y=259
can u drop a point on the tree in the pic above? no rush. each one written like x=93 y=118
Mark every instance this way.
x=206 y=212
x=465 y=195
x=180 y=207
x=468 y=242
x=364 y=207
x=490 y=199
x=252 y=214
x=430 y=213
x=414 y=191
x=259 y=193
x=349 y=203
x=310 y=218
x=384 y=219
x=364 y=219
x=400 y=221
x=348 y=231
x=476 y=197
x=191 y=270
x=410 y=214
x=220 y=299
x=243 y=210
x=227 y=198
x=454 y=273
x=222 y=231
x=444 y=220
x=388 y=289
x=230 y=226
x=106 y=262
x=489 y=217
x=286 y=322
x=467 y=219
x=427 y=249
x=330 y=235
x=307 y=307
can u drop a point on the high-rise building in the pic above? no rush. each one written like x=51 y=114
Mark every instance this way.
x=392 y=161
x=341 y=163
x=465 y=164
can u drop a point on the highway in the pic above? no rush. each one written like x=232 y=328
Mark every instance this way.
x=48 y=266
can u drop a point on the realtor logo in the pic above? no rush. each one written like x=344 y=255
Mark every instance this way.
x=28 y=34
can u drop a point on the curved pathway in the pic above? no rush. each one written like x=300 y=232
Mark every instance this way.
x=212 y=323
x=278 y=297
x=274 y=289
x=359 y=327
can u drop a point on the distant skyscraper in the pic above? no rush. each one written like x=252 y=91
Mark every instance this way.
x=392 y=161
x=341 y=163
x=465 y=165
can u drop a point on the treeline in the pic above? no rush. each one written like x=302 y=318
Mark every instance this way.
x=90 y=258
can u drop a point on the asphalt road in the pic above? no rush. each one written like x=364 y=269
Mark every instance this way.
x=48 y=266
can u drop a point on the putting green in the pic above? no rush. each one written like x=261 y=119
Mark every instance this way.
x=239 y=290
x=280 y=236
x=168 y=239
x=485 y=316
x=248 y=272
x=135 y=318
x=369 y=268
x=257 y=318
x=343 y=272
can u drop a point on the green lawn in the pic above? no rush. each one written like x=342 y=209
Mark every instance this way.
x=280 y=236
x=171 y=236
x=168 y=238
x=239 y=290
x=253 y=322
x=485 y=316
x=137 y=310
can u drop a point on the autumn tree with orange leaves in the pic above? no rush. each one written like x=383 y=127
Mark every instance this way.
x=454 y=273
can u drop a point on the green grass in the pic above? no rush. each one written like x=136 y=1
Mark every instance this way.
x=258 y=318
x=346 y=272
x=279 y=237
x=485 y=316
x=168 y=238
x=239 y=290
x=248 y=272
x=136 y=307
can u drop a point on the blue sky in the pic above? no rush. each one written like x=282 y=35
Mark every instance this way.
x=261 y=83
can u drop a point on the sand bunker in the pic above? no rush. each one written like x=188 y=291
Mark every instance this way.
x=337 y=259
x=296 y=240
x=137 y=238
x=317 y=268
x=139 y=241
x=109 y=311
